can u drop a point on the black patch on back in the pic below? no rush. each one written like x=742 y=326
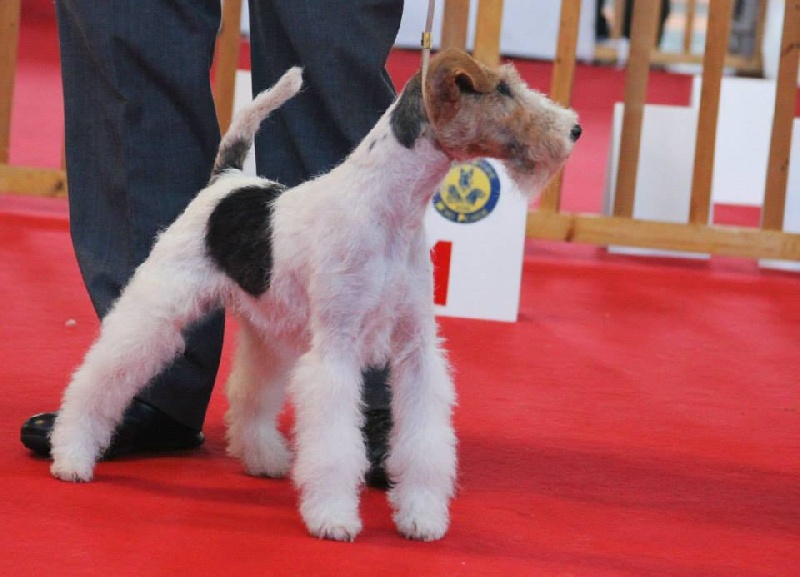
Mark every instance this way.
x=239 y=236
x=408 y=116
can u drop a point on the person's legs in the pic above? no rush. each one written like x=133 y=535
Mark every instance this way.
x=343 y=48
x=141 y=136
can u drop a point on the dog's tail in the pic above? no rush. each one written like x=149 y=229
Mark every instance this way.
x=239 y=138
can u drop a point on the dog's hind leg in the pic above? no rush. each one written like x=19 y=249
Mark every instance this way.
x=256 y=390
x=422 y=454
x=138 y=338
x=331 y=457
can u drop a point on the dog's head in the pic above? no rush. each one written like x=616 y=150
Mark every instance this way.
x=475 y=111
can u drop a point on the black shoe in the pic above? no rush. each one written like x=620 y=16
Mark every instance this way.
x=144 y=429
x=377 y=426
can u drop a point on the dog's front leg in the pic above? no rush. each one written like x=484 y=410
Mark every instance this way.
x=331 y=460
x=422 y=456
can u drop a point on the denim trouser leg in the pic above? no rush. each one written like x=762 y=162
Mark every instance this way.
x=141 y=135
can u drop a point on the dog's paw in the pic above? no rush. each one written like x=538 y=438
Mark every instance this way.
x=273 y=461
x=73 y=456
x=424 y=527
x=72 y=473
x=331 y=523
x=420 y=515
x=335 y=529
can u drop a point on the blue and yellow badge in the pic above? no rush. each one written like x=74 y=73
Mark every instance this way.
x=468 y=193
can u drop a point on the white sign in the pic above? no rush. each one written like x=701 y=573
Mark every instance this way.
x=664 y=176
x=744 y=124
x=476 y=228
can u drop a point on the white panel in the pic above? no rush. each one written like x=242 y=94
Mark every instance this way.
x=486 y=260
x=664 y=178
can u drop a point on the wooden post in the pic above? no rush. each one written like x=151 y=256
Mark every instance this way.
x=228 y=46
x=643 y=33
x=757 y=60
x=781 y=140
x=455 y=23
x=561 y=89
x=487 y=31
x=688 y=27
x=618 y=23
x=717 y=34
x=9 y=40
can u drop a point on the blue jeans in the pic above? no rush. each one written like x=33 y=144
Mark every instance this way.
x=141 y=133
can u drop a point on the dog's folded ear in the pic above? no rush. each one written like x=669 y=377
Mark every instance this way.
x=452 y=74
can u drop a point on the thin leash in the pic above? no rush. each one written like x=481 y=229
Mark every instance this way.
x=426 y=39
x=426 y=50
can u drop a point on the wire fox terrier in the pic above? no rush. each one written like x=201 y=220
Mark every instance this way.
x=326 y=278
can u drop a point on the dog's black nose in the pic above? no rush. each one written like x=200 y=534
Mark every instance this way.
x=576 y=132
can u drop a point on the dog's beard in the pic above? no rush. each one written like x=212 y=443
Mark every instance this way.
x=531 y=182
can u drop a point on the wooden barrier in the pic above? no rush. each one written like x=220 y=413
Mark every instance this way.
x=52 y=182
x=696 y=235
x=769 y=241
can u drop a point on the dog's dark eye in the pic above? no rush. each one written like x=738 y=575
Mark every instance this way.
x=503 y=88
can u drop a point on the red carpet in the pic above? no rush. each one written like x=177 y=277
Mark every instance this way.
x=641 y=419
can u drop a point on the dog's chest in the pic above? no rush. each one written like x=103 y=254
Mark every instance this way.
x=379 y=319
x=354 y=292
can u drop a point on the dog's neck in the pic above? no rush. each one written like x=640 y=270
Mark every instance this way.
x=401 y=154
